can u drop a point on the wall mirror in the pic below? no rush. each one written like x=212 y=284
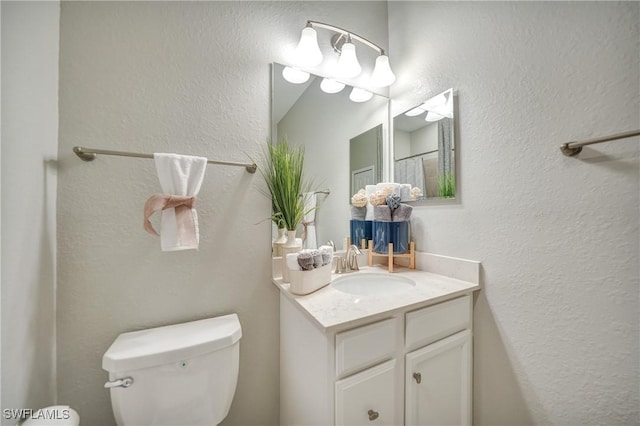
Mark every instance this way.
x=343 y=140
x=365 y=159
x=424 y=147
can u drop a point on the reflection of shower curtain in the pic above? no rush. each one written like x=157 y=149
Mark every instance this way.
x=410 y=170
x=444 y=146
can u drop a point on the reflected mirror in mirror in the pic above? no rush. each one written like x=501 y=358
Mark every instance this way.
x=365 y=159
x=424 y=147
x=335 y=132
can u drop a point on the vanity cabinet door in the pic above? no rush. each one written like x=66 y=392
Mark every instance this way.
x=438 y=382
x=368 y=398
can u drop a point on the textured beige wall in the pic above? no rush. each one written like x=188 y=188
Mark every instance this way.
x=30 y=33
x=189 y=77
x=556 y=324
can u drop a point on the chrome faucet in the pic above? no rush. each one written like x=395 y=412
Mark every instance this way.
x=349 y=262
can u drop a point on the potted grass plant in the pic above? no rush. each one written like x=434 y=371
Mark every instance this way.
x=447 y=185
x=282 y=170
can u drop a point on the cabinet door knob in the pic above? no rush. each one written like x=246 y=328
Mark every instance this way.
x=418 y=377
x=373 y=415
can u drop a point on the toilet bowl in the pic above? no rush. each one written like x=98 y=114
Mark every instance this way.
x=183 y=374
x=55 y=415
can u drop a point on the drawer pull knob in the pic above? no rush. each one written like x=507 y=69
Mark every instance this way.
x=373 y=415
x=418 y=377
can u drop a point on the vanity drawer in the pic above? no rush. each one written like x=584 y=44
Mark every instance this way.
x=368 y=398
x=435 y=322
x=365 y=346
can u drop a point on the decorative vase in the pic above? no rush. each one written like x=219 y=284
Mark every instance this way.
x=361 y=230
x=291 y=246
x=279 y=242
x=391 y=232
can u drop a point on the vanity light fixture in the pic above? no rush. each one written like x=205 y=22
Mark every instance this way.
x=437 y=108
x=414 y=112
x=295 y=75
x=432 y=116
x=329 y=85
x=348 y=65
x=308 y=54
x=360 y=95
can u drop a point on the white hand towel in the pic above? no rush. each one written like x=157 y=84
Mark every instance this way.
x=179 y=175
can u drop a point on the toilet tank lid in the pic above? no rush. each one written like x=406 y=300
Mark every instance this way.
x=173 y=343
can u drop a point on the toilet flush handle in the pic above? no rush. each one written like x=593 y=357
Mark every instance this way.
x=120 y=383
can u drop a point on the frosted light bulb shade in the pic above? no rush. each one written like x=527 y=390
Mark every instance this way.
x=308 y=52
x=415 y=111
x=432 y=116
x=360 y=95
x=329 y=85
x=435 y=102
x=441 y=105
x=294 y=75
x=447 y=109
x=382 y=75
x=348 y=65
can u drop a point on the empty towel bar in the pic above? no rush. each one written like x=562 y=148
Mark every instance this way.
x=573 y=148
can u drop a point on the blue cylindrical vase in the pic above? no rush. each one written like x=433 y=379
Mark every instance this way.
x=361 y=229
x=391 y=232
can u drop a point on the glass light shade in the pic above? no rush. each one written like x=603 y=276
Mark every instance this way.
x=308 y=52
x=448 y=107
x=435 y=102
x=294 y=75
x=432 y=116
x=360 y=95
x=348 y=65
x=415 y=111
x=382 y=75
x=441 y=105
x=329 y=85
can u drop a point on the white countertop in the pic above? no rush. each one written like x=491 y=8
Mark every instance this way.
x=332 y=309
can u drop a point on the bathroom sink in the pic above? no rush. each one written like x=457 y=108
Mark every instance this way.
x=366 y=284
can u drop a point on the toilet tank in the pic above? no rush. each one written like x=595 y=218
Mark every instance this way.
x=183 y=374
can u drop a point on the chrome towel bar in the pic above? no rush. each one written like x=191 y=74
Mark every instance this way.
x=89 y=154
x=573 y=148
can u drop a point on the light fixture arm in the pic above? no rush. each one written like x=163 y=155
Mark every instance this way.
x=346 y=33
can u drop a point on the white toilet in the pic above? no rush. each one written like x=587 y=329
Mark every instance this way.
x=183 y=374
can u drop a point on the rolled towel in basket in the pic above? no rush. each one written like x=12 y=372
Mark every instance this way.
x=317 y=258
x=305 y=260
x=327 y=254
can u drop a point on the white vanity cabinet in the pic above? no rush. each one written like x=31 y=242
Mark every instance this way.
x=410 y=366
x=438 y=364
x=438 y=383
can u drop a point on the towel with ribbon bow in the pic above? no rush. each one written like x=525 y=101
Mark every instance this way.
x=180 y=179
